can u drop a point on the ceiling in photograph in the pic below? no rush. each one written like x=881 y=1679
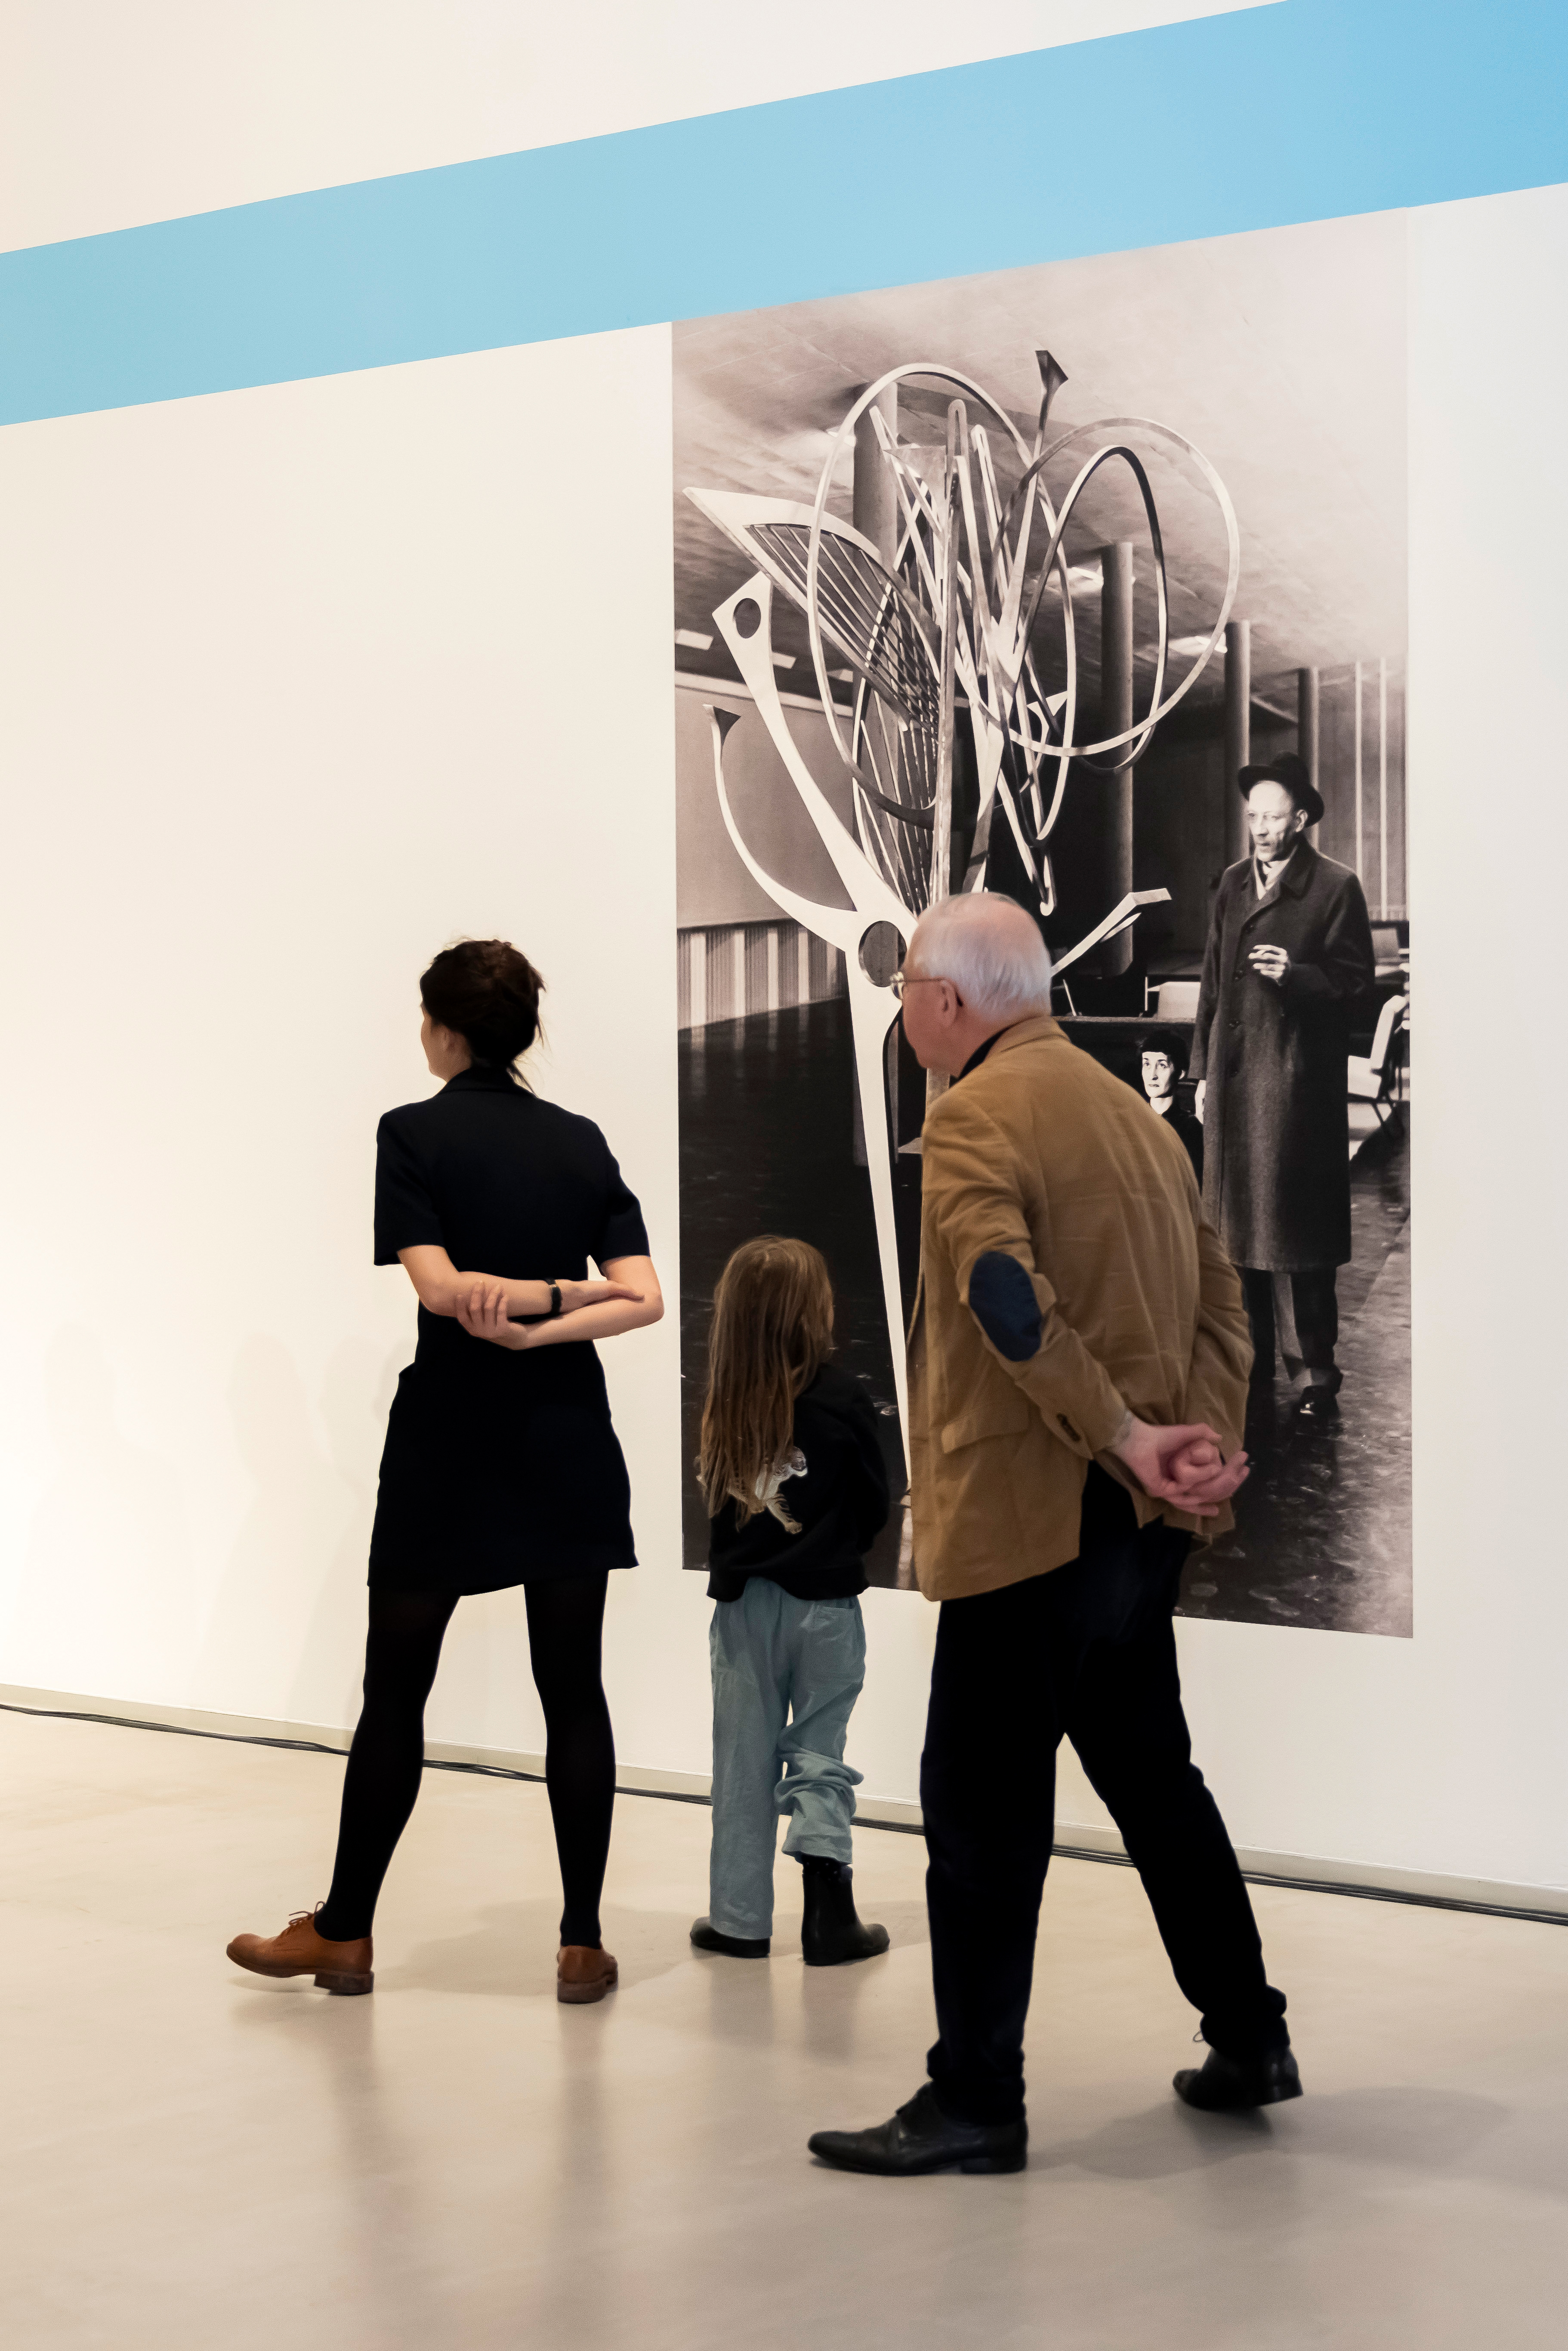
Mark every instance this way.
x=1279 y=354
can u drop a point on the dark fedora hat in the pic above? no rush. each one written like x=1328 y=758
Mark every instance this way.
x=1290 y=771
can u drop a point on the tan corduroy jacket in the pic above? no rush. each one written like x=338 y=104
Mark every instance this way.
x=1042 y=1156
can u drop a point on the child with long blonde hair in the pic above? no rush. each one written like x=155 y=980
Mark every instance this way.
x=797 y=1491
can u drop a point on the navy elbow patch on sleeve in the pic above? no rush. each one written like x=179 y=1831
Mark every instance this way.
x=1002 y=1302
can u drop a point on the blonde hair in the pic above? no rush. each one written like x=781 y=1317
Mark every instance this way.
x=772 y=1331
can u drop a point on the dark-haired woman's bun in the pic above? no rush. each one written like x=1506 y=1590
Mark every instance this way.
x=489 y=994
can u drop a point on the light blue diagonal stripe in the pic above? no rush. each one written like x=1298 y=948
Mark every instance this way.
x=1298 y=111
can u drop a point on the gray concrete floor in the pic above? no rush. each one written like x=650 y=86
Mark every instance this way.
x=193 y=2156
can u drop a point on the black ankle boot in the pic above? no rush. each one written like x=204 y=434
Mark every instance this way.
x=831 y=1932
x=707 y=1938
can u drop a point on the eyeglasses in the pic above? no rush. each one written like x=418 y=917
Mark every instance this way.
x=903 y=979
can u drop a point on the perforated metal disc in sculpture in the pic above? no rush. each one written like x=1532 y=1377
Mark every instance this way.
x=894 y=734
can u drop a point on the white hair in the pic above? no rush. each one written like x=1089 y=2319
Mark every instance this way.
x=992 y=950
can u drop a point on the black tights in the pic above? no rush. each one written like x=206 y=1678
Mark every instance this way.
x=382 y=1781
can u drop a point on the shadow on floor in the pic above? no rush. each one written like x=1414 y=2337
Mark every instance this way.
x=1414 y=2128
x=511 y=1954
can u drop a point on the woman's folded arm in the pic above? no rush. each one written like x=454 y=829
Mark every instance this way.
x=444 y=1290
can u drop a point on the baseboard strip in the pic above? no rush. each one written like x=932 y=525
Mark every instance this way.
x=1544 y=1906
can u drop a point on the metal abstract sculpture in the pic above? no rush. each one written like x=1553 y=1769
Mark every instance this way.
x=953 y=614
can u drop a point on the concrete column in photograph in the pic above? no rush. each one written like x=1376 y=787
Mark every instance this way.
x=1383 y=788
x=875 y=510
x=1238 y=733
x=1307 y=732
x=1113 y=794
x=1094 y=842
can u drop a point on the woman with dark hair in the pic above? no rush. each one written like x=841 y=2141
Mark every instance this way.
x=1163 y=1062
x=501 y=1466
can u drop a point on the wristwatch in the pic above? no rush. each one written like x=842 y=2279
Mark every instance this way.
x=554 y=1288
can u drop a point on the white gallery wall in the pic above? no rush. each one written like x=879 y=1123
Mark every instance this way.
x=111 y=116
x=297 y=683
x=1449 y=1754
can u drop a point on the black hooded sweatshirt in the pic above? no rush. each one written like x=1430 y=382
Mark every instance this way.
x=840 y=1504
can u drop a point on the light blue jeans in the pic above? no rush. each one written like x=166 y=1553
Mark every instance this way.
x=785 y=1675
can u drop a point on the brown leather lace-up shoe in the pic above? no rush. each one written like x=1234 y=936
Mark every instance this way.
x=583 y=1973
x=299 y=1950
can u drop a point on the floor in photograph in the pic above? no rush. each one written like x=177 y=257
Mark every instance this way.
x=195 y=2156
x=1321 y=1538
x=1323 y=1533
x=767 y=1145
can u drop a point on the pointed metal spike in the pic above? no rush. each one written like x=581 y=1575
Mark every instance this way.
x=1053 y=375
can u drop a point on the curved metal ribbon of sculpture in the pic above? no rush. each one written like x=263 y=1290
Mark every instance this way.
x=953 y=613
x=980 y=625
x=872 y=1004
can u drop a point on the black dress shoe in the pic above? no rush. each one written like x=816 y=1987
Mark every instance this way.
x=1318 y=1404
x=1225 y=2086
x=920 y=2137
x=831 y=1929
x=706 y=1938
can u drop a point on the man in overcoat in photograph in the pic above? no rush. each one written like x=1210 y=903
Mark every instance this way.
x=1078 y=1363
x=1289 y=949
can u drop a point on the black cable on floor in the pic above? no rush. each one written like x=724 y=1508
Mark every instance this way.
x=896 y=1828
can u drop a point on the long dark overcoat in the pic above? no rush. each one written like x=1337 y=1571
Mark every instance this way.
x=1276 y=1138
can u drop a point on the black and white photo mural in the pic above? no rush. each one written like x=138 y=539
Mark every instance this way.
x=1084 y=583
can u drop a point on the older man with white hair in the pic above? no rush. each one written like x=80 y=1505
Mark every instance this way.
x=1078 y=1380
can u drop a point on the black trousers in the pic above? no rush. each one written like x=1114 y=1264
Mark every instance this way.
x=1087 y=1653
x=1315 y=1307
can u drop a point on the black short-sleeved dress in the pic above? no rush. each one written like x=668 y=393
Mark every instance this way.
x=500 y=1468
